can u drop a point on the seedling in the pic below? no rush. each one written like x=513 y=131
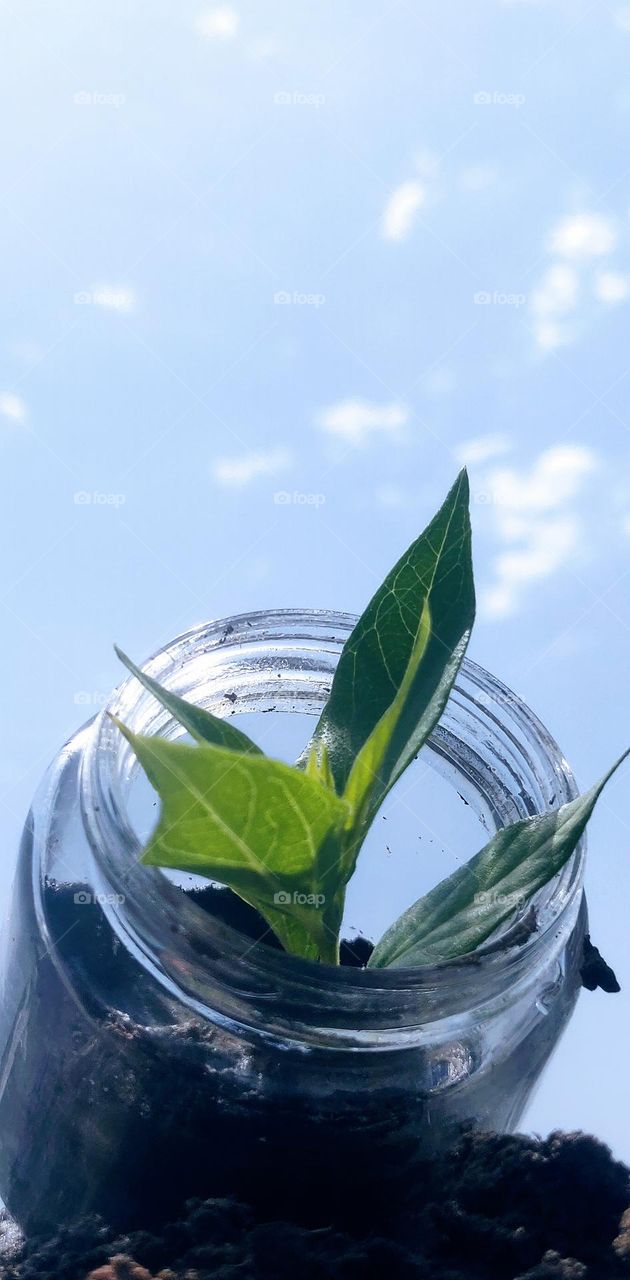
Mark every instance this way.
x=286 y=838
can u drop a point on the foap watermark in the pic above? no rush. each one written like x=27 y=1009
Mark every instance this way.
x=496 y=98
x=294 y=298
x=285 y=498
x=111 y=298
x=85 y=899
x=87 y=698
x=496 y=298
x=483 y=498
x=500 y=698
x=285 y=899
x=85 y=498
x=487 y=899
x=295 y=98
x=93 y=98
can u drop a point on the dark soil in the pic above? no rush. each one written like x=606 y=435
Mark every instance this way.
x=499 y=1208
x=595 y=972
x=137 y=1119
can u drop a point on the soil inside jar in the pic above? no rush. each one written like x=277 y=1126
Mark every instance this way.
x=133 y=1110
x=132 y=1117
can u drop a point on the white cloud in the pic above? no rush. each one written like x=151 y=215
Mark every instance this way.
x=550 y=545
x=356 y=420
x=550 y=335
x=625 y=525
x=558 y=291
x=555 y=298
x=482 y=448
x=218 y=24
x=611 y=287
x=583 y=235
x=548 y=548
x=553 y=480
x=563 y=299
x=237 y=472
x=12 y=407
x=401 y=209
x=533 y=518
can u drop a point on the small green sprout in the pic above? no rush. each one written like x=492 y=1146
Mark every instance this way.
x=286 y=838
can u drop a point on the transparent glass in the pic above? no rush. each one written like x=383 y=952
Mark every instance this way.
x=150 y=1053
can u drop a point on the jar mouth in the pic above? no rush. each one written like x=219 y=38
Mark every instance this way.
x=204 y=962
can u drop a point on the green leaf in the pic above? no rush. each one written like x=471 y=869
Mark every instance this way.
x=461 y=912
x=365 y=778
x=201 y=725
x=251 y=823
x=291 y=932
x=390 y=667
x=317 y=765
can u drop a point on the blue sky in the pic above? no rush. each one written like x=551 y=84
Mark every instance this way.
x=329 y=253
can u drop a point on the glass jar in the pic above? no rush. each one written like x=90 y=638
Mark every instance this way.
x=150 y=1053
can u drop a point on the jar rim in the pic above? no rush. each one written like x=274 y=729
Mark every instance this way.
x=203 y=962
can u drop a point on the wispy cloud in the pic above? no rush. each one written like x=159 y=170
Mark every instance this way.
x=357 y=420
x=552 y=481
x=482 y=448
x=555 y=298
x=583 y=235
x=237 y=472
x=611 y=287
x=535 y=518
x=12 y=407
x=402 y=208
x=221 y=23
x=570 y=287
x=549 y=546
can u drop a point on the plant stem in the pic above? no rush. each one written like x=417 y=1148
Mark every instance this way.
x=329 y=948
